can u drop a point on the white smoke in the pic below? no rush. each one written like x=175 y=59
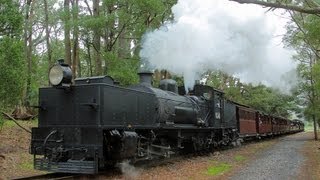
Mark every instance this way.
x=218 y=35
x=128 y=170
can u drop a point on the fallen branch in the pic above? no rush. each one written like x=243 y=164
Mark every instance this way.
x=15 y=121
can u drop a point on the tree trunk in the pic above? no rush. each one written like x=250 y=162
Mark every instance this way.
x=313 y=99
x=96 y=41
x=89 y=60
x=49 y=51
x=28 y=48
x=315 y=127
x=75 y=52
x=67 y=32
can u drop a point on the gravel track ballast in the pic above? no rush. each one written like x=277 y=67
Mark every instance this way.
x=281 y=161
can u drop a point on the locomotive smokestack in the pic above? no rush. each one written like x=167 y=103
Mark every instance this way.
x=145 y=78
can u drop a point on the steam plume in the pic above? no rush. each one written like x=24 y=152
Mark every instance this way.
x=218 y=35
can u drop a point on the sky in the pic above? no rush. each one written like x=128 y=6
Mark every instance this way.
x=239 y=39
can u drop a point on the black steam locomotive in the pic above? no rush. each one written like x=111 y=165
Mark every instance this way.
x=93 y=123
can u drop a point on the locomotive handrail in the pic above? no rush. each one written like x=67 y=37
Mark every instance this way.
x=94 y=106
x=46 y=139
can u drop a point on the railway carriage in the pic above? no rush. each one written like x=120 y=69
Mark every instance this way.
x=247 y=121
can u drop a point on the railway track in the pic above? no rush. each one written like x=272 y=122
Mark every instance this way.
x=114 y=172
x=57 y=176
x=104 y=174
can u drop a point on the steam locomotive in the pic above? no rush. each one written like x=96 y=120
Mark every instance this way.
x=92 y=123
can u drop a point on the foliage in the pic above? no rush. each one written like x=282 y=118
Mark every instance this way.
x=11 y=48
x=12 y=72
x=122 y=70
x=10 y=19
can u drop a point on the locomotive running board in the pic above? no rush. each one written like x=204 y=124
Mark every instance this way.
x=71 y=166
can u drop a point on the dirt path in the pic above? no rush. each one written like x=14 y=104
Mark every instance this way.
x=281 y=161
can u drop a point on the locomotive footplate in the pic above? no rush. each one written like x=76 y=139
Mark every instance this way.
x=70 y=166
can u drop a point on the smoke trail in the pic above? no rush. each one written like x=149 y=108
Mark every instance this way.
x=218 y=35
x=128 y=170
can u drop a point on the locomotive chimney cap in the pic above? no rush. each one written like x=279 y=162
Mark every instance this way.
x=145 y=77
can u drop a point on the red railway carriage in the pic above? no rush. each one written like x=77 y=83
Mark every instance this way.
x=264 y=124
x=247 y=121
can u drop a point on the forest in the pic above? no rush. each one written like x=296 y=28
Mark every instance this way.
x=103 y=37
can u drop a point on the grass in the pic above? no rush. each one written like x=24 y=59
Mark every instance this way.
x=8 y=124
x=27 y=165
x=239 y=158
x=218 y=169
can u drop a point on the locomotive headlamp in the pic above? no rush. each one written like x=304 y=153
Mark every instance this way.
x=60 y=74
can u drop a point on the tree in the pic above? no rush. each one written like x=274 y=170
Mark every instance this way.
x=303 y=36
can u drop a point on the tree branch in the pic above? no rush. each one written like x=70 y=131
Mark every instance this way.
x=307 y=10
